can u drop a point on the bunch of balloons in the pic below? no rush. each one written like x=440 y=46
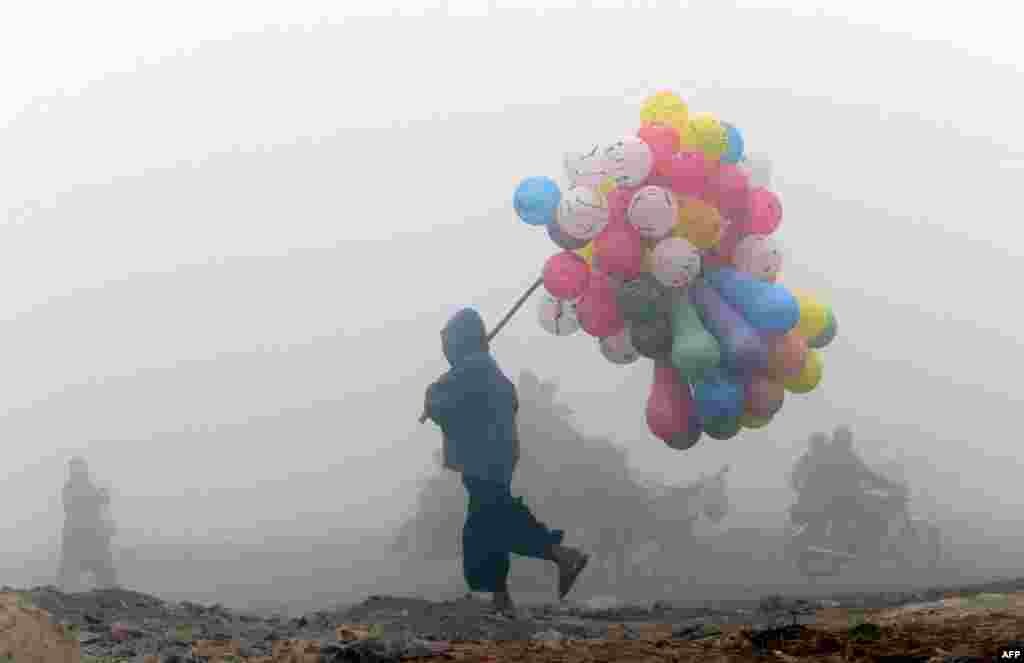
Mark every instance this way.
x=667 y=253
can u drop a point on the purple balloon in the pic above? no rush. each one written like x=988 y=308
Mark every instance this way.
x=743 y=348
x=562 y=240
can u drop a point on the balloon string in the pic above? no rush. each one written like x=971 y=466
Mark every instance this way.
x=504 y=321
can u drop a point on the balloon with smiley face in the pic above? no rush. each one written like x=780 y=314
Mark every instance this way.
x=585 y=168
x=759 y=256
x=765 y=211
x=629 y=161
x=583 y=213
x=675 y=262
x=653 y=211
x=557 y=316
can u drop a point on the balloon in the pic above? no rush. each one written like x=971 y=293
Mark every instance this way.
x=620 y=251
x=566 y=275
x=628 y=161
x=687 y=173
x=694 y=351
x=562 y=240
x=748 y=421
x=763 y=396
x=583 y=213
x=640 y=299
x=826 y=336
x=585 y=168
x=768 y=307
x=741 y=346
x=765 y=212
x=557 y=316
x=663 y=141
x=734 y=144
x=669 y=404
x=676 y=262
x=684 y=441
x=787 y=355
x=587 y=253
x=665 y=108
x=717 y=397
x=618 y=200
x=597 y=309
x=759 y=256
x=722 y=428
x=536 y=200
x=809 y=377
x=606 y=185
x=618 y=348
x=699 y=223
x=731 y=189
x=653 y=211
x=707 y=134
x=813 y=316
x=652 y=339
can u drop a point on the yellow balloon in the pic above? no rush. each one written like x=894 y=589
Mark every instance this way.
x=665 y=107
x=705 y=133
x=606 y=186
x=809 y=377
x=699 y=222
x=813 y=316
x=750 y=421
x=587 y=253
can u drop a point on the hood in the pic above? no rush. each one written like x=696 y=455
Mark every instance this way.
x=463 y=336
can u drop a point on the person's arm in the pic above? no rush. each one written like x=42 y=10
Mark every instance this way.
x=442 y=398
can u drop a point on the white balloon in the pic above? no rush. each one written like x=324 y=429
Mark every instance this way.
x=653 y=211
x=618 y=349
x=675 y=262
x=557 y=316
x=582 y=213
x=585 y=168
x=759 y=256
x=628 y=160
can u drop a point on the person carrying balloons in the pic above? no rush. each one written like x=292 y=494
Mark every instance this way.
x=475 y=405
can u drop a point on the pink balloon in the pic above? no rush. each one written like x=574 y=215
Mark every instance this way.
x=763 y=396
x=566 y=275
x=732 y=189
x=598 y=308
x=688 y=173
x=669 y=404
x=618 y=200
x=663 y=141
x=620 y=251
x=765 y=212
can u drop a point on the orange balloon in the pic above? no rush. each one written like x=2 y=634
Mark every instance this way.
x=699 y=223
x=787 y=355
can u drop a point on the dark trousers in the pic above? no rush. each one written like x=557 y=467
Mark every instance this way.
x=497 y=525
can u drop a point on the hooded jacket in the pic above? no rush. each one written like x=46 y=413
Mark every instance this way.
x=475 y=404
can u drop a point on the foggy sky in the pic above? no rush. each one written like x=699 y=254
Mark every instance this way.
x=226 y=267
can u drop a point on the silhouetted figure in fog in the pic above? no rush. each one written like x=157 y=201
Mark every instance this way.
x=475 y=405
x=85 y=545
x=832 y=482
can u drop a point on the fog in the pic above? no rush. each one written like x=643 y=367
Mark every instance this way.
x=229 y=247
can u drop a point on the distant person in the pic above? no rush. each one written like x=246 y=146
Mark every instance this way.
x=85 y=546
x=475 y=405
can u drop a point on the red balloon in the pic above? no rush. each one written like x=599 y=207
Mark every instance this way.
x=620 y=250
x=566 y=275
x=732 y=189
x=765 y=212
x=669 y=404
x=598 y=308
x=663 y=141
x=787 y=355
x=688 y=173
x=618 y=202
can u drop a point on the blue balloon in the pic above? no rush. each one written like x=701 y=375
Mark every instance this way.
x=536 y=200
x=734 y=144
x=770 y=308
x=718 y=397
x=742 y=347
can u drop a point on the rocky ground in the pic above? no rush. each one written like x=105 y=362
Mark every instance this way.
x=122 y=625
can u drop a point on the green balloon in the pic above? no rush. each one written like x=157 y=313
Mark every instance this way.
x=722 y=428
x=695 y=352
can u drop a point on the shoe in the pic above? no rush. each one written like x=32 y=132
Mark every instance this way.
x=569 y=569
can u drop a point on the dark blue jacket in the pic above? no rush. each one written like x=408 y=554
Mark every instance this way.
x=475 y=404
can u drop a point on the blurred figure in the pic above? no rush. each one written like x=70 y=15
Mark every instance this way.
x=476 y=405
x=85 y=546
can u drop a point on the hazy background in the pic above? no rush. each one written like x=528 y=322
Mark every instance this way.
x=232 y=232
